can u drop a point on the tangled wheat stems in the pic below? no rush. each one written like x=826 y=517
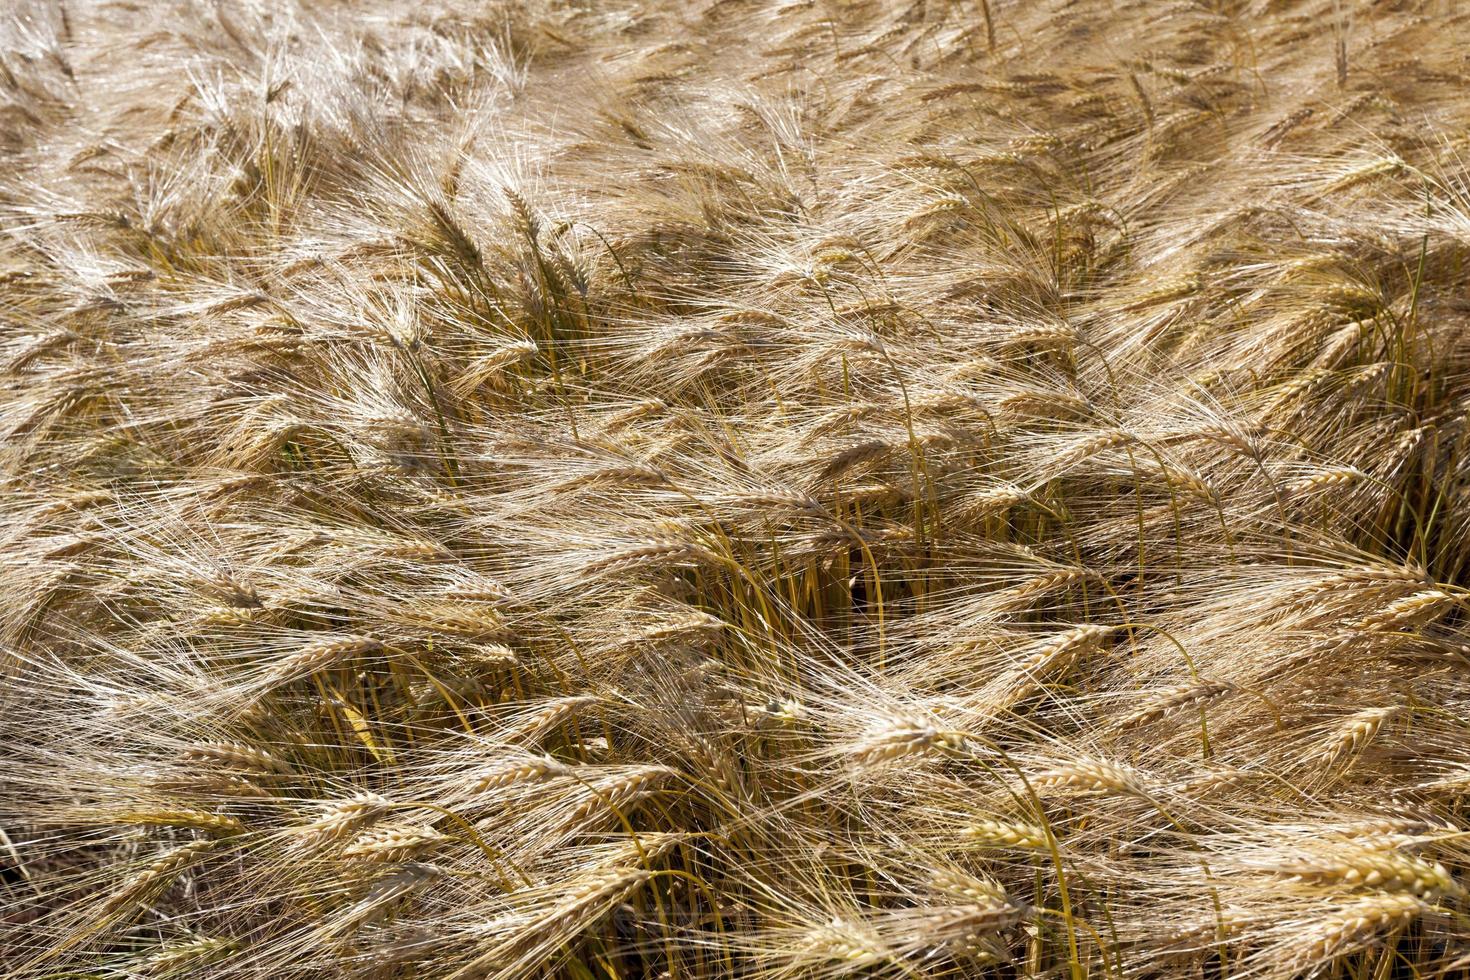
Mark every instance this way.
x=533 y=488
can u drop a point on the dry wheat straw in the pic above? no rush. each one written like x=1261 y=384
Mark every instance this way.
x=781 y=491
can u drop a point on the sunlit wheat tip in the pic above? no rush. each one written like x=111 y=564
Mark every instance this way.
x=897 y=738
x=392 y=843
x=1353 y=925
x=1354 y=734
x=1005 y=833
x=1088 y=776
x=1410 y=611
x=1165 y=700
x=237 y=756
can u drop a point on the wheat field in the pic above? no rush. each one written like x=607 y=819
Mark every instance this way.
x=604 y=490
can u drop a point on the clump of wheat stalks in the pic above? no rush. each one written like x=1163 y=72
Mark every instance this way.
x=733 y=489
